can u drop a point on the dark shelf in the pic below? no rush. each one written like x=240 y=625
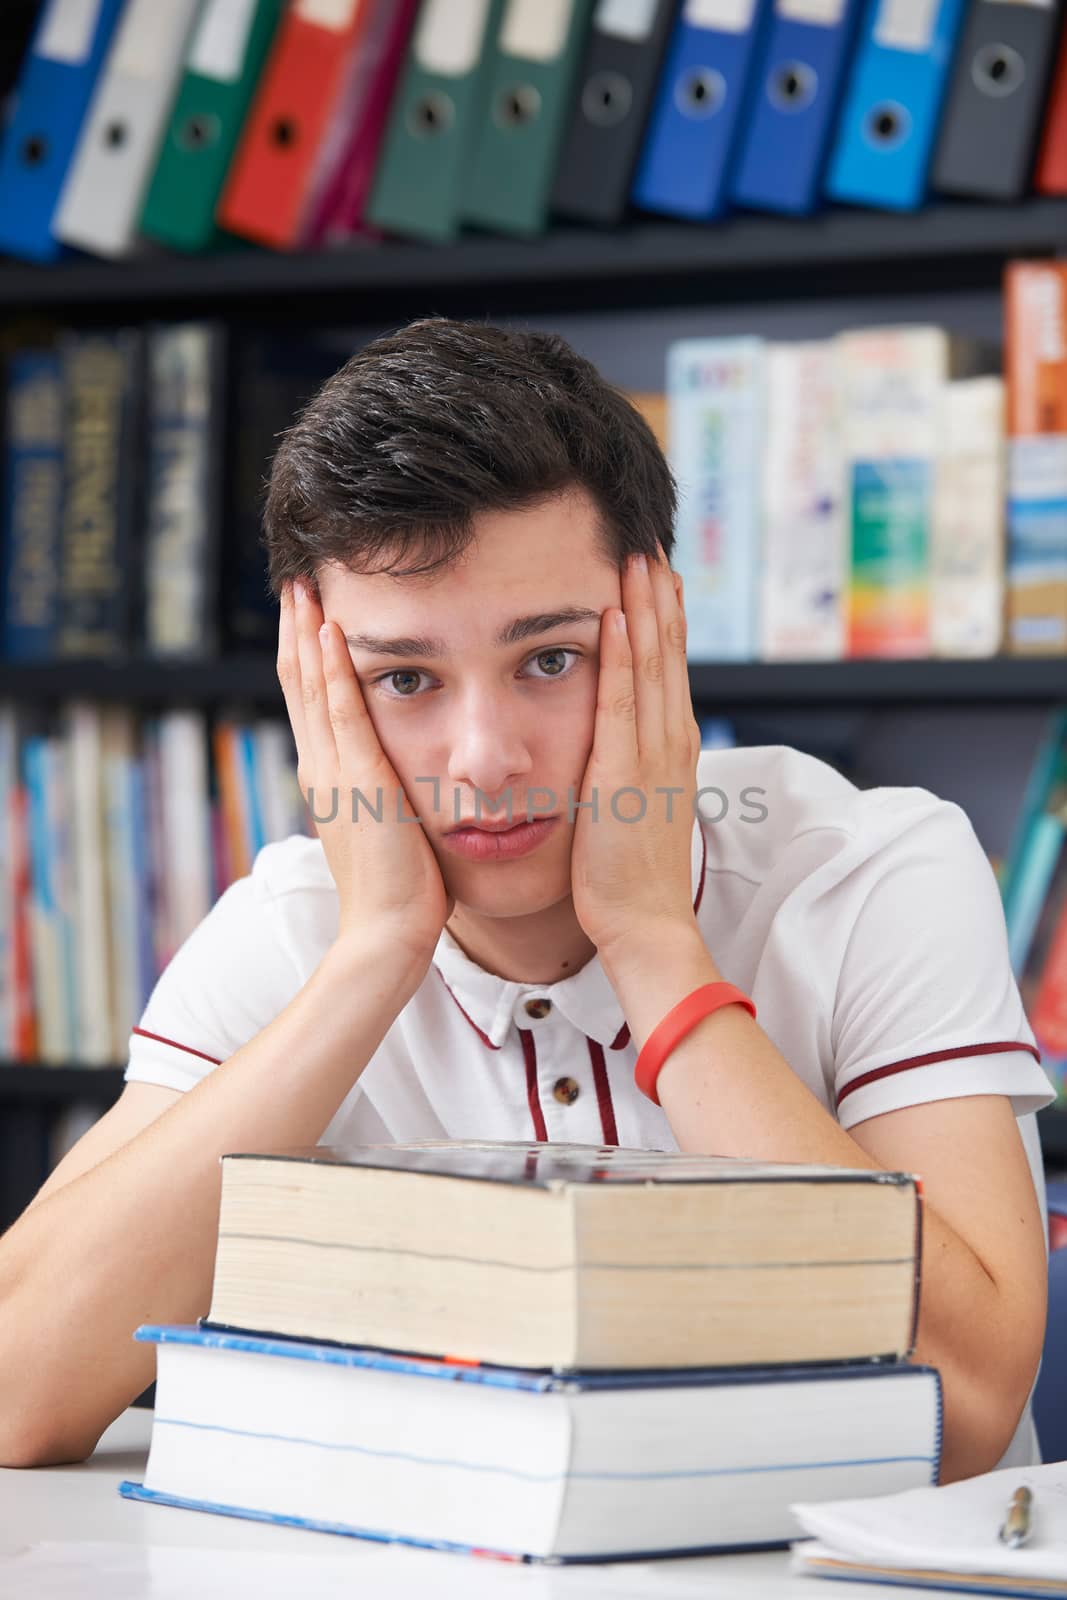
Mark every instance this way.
x=643 y=260
x=1004 y=680
x=43 y=1085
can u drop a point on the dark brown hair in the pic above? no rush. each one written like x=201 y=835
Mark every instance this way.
x=428 y=426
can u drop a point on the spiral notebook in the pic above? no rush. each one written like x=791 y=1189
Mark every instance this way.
x=945 y=1537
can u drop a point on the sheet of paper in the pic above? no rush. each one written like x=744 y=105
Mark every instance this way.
x=952 y=1528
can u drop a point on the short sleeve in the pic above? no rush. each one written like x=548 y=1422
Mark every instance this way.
x=230 y=977
x=927 y=1007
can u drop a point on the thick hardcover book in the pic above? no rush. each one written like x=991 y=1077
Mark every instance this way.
x=99 y=549
x=569 y=1257
x=519 y=1463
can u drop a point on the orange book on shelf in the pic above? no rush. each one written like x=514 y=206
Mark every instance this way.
x=1035 y=368
x=238 y=856
x=287 y=138
x=1050 y=174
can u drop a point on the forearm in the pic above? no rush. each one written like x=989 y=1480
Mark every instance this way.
x=133 y=1239
x=727 y=1090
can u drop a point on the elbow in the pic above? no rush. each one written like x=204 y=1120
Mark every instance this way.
x=26 y=1448
x=982 y=1411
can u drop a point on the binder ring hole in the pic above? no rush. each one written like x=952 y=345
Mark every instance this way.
x=887 y=125
x=284 y=133
x=199 y=132
x=115 y=135
x=701 y=92
x=35 y=150
x=998 y=70
x=433 y=113
x=606 y=99
x=518 y=106
x=792 y=86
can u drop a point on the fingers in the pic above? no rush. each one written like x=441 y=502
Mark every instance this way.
x=288 y=666
x=679 y=721
x=321 y=765
x=649 y=656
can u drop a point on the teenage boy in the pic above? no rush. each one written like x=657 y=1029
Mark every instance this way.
x=452 y=525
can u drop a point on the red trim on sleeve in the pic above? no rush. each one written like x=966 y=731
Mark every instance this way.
x=936 y=1055
x=158 y=1037
x=603 y=1092
x=529 y=1053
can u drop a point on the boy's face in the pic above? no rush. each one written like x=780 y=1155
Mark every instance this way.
x=508 y=719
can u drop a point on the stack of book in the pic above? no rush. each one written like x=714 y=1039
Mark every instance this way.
x=547 y=1351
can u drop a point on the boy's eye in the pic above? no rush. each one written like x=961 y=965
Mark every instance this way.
x=411 y=674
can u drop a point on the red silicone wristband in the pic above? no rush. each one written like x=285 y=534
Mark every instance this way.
x=676 y=1024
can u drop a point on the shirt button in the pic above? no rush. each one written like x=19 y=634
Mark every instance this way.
x=538 y=1008
x=566 y=1091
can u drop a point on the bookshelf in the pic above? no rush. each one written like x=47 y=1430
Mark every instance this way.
x=1002 y=680
x=846 y=255
x=642 y=263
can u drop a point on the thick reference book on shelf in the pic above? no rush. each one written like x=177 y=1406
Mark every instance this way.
x=567 y=1256
x=493 y=1460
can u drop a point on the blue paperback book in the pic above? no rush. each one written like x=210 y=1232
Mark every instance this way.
x=520 y=1463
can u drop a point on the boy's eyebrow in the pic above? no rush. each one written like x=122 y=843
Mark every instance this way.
x=513 y=633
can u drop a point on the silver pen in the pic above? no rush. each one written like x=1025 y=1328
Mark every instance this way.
x=1017 y=1525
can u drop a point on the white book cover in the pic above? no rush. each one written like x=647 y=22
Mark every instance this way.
x=100 y=204
x=186 y=805
x=804 y=563
x=967 y=555
x=716 y=398
x=84 y=748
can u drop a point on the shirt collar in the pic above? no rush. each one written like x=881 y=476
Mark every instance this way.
x=587 y=999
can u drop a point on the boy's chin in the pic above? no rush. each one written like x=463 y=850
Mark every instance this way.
x=473 y=893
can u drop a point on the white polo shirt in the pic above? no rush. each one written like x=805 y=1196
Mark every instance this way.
x=865 y=924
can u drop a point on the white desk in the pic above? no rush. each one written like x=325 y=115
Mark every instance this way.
x=146 y=1552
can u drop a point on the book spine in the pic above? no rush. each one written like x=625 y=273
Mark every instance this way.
x=891 y=386
x=31 y=506
x=803 y=557
x=83 y=749
x=967 y=546
x=1035 y=325
x=715 y=420
x=186 y=440
x=98 y=563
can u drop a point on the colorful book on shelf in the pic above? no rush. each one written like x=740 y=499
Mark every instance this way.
x=967 y=530
x=186 y=458
x=892 y=384
x=533 y=64
x=31 y=504
x=804 y=554
x=222 y=68
x=337 y=207
x=1038 y=866
x=104 y=392
x=1038 y=784
x=491 y=1460
x=297 y=118
x=1035 y=366
x=716 y=416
